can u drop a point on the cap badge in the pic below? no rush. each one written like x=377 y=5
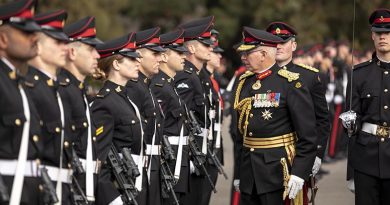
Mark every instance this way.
x=118 y=89
x=277 y=30
x=256 y=85
x=382 y=19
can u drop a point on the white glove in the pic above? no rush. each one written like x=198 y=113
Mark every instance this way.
x=236 y=184
x=192 y=168
x=116 y=201
x=316 y=166
x=294 y=185
x=351 y=185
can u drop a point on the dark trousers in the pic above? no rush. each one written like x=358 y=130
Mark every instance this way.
x=155 y=188
x=213 y=171
x=170 y=201
x=196 y=192
x=270 y=198
x=30 y=191
x=371 y=190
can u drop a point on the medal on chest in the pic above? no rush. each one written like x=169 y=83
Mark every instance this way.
x=259 y=77
x=268 y=99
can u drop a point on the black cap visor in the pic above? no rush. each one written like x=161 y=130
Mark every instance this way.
x=206 y=41
x=218 y=50
x=155 y=48
x=130 y=54
x=381 y=28
x=91 y=41
x=28 y=26
x=59 y=35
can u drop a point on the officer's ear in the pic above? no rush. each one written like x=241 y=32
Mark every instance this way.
x=164 y=57
x=72 y=53
x=294 y=46
x=116 y=65
x=3 y=39
x=191 y=48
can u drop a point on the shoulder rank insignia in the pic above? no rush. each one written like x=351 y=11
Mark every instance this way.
x=188 y=70
x=246 y=74
x=102 y=93
x=159 y=84
x=291 y=76
x=308 y=67
x=99 y=130
x=64 y=82
x=361 y=65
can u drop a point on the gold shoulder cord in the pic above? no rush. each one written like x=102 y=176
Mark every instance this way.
x=243 y=107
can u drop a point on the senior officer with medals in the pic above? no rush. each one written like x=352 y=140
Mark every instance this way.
x=369 y=145
x=277 y=141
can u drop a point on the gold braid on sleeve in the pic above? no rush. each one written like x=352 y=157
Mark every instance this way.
x=243 y=107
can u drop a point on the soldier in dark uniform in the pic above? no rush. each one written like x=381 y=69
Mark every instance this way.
x=147 y=42
x=277 y=140
x=369 y=155
x=311 y=77
x=43 y=87
x=117 y=118
x=19 y=124
x=216 y=115
x=81 y=61
x=189 y=85
x=173 y=109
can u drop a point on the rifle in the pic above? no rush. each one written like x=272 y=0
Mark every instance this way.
x=166 y=174
x=216 y=162
x=78 y=196
x=125 y=183
x=4 y=195
x=199 y=159
x=50 y=196
x=128 y=161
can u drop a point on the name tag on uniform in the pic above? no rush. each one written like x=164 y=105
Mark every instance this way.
x=266 y=100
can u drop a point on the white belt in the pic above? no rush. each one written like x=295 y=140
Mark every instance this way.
x=371 y=128
x=65 y=174
x=217 y=127
x=95 y=165
x=174 y=140
x=8 y=168
x=135 y=158
x=153 y=150
x=204 y=133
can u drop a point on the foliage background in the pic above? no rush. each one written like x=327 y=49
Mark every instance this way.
x=316 y=21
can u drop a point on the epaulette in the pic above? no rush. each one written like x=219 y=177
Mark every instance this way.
x=361 y=65
x=188 y=70
x=246 y=74
x=290 y=76
x=64 y=81
x=160 y=82
x=307 y=67
x=31 y=81
x=103 y=93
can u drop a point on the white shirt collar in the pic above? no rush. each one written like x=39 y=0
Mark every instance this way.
x=9 y=64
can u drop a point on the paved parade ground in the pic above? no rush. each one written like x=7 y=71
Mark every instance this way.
x=332 y=187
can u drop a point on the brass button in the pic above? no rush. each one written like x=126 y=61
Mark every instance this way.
x=85 y=124
x=158 y=125
x=382 y=139
x=185 y=121
x=36 y=77
x=107 y=90
x=38 y=161
x=386 y=90
x=385 y=107
x=69 y=165
x=18 y=122
x=94 y=139
x=252 y=149
x=386 y=72
x=368 y=95
x=250 y=133
x=154 y=114
x=251 y=115
x=133 y=121
x=384 y=124
x=40 y=122
x=146 y=121
x=73 y=127
x=35 y=138
x=66 y=144
x=180 y=115
x=58 y=129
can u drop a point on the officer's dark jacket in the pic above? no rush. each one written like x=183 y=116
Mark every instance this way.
x=311 y=78
x=174 y=118
x=13 y=118
x=295 y=113
x=43 y=91
x=371 y=101
x=72 y=93
x=189 y=87
x=138 y=91
x=116 y=123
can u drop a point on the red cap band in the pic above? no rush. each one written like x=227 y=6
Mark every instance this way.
x=382 y=20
